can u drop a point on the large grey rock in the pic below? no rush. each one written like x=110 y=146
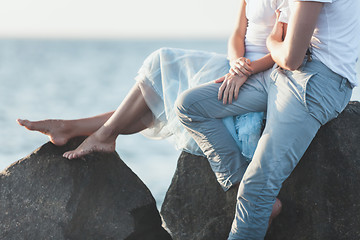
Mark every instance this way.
x=321 y=198
x=195 y=206
x=45 y=196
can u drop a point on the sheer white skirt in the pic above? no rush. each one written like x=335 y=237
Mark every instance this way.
x=166 y=73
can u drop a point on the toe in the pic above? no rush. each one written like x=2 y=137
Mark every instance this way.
x=21 y=121
x=72 y=155
x=66 y=155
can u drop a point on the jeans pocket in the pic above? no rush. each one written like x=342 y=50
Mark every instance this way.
x=326 y=98
x=298 y=83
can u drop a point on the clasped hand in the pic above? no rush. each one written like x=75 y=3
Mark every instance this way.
x=239 y=72
x=241 y=66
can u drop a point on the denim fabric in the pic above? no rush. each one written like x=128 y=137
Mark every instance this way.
x=168 y=72
x=297 y=104
x=201 y=114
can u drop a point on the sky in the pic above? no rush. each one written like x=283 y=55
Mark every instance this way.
x=117 y=18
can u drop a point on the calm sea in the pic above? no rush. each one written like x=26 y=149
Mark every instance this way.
x=80 y=78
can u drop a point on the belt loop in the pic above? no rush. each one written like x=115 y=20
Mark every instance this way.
x=343 y=84
x=303 y=64
x=309 y=54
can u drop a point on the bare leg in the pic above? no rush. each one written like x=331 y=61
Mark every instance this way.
x=133 y=115
x=60 y=131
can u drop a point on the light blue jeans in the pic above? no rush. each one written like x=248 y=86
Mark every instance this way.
x=297 y=104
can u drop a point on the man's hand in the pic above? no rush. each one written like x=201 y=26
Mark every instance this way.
x=277 y=32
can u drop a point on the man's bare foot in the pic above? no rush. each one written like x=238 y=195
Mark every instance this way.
x=275 y=210
x=94 y=143
x=57 y=130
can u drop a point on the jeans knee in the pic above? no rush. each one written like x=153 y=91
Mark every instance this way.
x=181 y=105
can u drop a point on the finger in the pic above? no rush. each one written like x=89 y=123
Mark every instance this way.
x=221 y=90
x=236 y=92
x=231 y=94
x=219 y=80
x=245 y=65
x=232 y=72
x=236 y=70
x=245 y=72
x=226 y=94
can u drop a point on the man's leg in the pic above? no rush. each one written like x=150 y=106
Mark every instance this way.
x=289 y=130
x=201 y=113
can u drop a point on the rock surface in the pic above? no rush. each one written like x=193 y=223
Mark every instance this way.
x=45 y=196
x=195 y=206
x=320 y=198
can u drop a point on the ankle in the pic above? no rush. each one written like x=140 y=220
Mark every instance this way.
x=69 y=128
x=106 y=134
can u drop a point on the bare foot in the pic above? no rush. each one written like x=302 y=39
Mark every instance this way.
x=57 y=130
x=275 y=210
x=94 y=143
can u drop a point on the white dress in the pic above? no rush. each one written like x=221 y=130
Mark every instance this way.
x=167 y=72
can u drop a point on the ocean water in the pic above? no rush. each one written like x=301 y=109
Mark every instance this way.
x=70 y=79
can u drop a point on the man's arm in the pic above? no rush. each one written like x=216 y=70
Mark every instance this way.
x=290 y=52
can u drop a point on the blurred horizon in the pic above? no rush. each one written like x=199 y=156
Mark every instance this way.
x=120 y=38
x=112 y=19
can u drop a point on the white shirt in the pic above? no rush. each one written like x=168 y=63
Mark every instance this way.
x=261 y=19
x=336 y=39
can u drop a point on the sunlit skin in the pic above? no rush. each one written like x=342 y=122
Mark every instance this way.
x=289 y=52
x=133 y=115
x=60 y=131
x=241 y=68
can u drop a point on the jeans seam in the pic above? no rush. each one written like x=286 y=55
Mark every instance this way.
x=268 y=179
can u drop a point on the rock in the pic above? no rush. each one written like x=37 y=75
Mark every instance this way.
x=320 y=198
x=45 y=196
x=195 y=206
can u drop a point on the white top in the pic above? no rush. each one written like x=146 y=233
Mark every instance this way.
x=261 y=19
x=336 y=39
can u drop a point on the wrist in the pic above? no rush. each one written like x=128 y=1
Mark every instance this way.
x=232 y=61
